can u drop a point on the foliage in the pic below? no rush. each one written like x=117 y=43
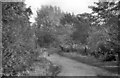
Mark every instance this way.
x=45 y=39
x=82 y=30
x=105 y=30
x=18 y=49
x=48 y=17
x=48 y=25
x=79 y=27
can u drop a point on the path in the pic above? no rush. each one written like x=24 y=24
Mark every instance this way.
x=73 y=68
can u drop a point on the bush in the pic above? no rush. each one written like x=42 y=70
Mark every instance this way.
x=17 y=58
x=45 y=39
x=104 y=53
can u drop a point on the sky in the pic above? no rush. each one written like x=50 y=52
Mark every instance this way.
x=71 y=6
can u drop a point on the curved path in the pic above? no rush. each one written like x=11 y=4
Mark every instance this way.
x=73 y=68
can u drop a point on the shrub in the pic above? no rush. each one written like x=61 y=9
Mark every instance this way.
x=17 y=58
x=104 y=53
x=45 y=39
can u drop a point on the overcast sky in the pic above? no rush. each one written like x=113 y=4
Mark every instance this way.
x=72 y=6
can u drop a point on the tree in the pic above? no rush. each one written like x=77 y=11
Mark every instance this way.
x=47 y=23
x=82 y=30
x=106 y=28
x=79 y=27
x=17 y=39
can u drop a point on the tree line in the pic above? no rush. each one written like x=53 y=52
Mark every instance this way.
x=97 y=32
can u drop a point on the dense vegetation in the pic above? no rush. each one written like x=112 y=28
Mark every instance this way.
x=17 y=38
x=96 y=34
x=105 y=30
x=19 y=46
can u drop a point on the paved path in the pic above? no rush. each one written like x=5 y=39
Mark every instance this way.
x=73 y=68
